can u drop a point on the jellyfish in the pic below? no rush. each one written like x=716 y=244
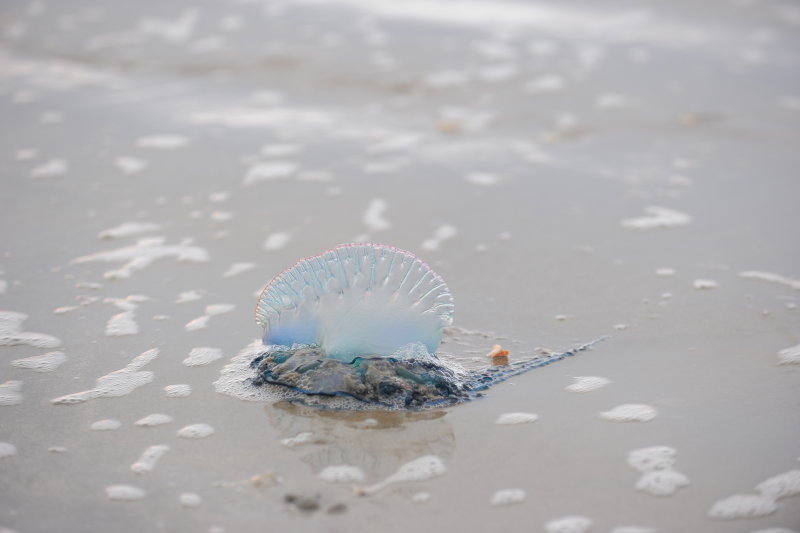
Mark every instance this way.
x=365 y=321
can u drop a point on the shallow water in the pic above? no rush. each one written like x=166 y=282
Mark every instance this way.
x=570 y=172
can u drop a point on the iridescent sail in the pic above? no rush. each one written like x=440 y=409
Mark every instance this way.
x=356 y=300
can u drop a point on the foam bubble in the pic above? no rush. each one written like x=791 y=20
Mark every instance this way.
x=162 y=141
x=7 y=449
x=201 y=322
x=276 y=241
x=11 y=393
x=202 y=356
x=155 y=419
x=41 y=363
x=421 y=497
x=665 y=272
x=743 y=506
x=268 y=171
x=52 y=169
x=772 y=278
x=657 y=217
x=190 y=499
x=107 y=424
x=661 y=482
x=420 y=469
x=546 y=83
x=705 y=284
x=130 y=165
x=789 y=356
x=568 y=524
x=587 y=383
x=127 y=229
x=238 y=268
x=508 y=497
x=301 y=438
x=188 y=296
x=178 y=391
x=373 y=217
x=781 y=486
x=341 y=474
x=658 y=477
x=11 y=333
x=482 y=179
x=630 y=412
x=442 y=233
x=125 y=493
x=124 y=323
x=118 y=383
x=147 y=461
x=516 y=418
x=143 y=254
x=196 y=431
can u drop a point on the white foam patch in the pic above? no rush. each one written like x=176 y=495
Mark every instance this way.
x=202 y=356
x=770 y=277
x=118 y=383
x=303 y=437
x=568 y=524
x=587 y=383
x=52 y=169
x=280 y=150
x=630 y=412
x=130 y=165
x=482 y=179
x=442 y=233
x=546 y=83
x=269 y=171
x=41 y=363
x=249 y=117
x=341 y=474
x=656 y=466
x=238 y=268
x=124 y=323
x=781 y=486
x=11 y=393
x=11 y=333
x=705 y=284
x=188 y=296
x=374 y=215
x=7 y=449
x=665 y=272
x=149 y=458
x=196 y=431
x=190 y=499
x=421 y=497
x=162 y=141
x=127 y=229
x=420 y=469
x=743 y=506
x=657 y=217
x=178 y=391
x=789 y=356
x=516 y=418
x=107 y=424
x=124 y=493
x=142 y=254
x=155 y=419
x=64 y=310
x=277 y=240
x=201 y=322
x=508 y=497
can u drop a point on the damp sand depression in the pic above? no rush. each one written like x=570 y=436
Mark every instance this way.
x=570 y=171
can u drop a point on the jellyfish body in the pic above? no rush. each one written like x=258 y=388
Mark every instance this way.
x=356 y=300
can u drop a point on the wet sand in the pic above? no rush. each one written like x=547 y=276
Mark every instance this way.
x=571 y=172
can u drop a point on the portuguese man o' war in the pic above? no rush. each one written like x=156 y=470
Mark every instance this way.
x=364 y=321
